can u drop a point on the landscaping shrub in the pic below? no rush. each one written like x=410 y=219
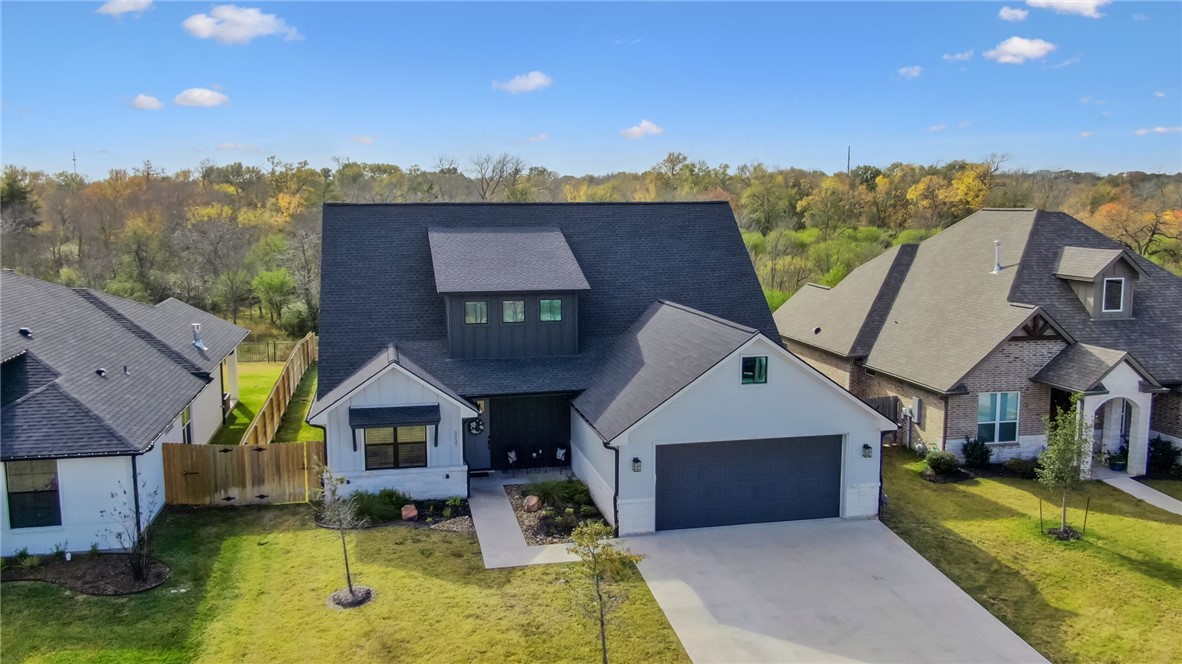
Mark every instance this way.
x=1023 y=467
x=942 y=463
x=976 y=453
x=1163 y=456
x=376 y=507
x=395 y=497
x=29 y=562
x=567 y=503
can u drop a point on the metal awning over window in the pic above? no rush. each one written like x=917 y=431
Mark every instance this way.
x=393 y=416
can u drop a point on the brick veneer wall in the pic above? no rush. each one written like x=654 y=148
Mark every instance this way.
x=929 y=429
x=834 y=366
x=1167 y=414
x=1007 y=369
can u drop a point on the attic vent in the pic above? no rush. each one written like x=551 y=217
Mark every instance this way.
x=197 y=337
x=102 y=373
x=816 y=330
x=26 y=332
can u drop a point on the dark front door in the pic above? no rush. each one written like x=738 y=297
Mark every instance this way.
x=748 y=481
x=532 y=427
x=476 y=449
x=1060 y=401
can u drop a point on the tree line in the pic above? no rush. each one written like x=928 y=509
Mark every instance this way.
x=232 y=238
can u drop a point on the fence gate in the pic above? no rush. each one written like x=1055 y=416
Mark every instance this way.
x=242 y=474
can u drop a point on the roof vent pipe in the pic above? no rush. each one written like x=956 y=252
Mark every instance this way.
x=26 y=332
x=996 y=256
x=197 y=337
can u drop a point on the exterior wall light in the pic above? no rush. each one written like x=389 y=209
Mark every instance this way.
x=867 y=451
x=636 y=464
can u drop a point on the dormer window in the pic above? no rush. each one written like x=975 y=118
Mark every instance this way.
x=513 y=311
x=1114 y=292
x=550 y=310
x=475 y=313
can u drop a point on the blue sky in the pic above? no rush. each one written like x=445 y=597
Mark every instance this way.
x=1087 y=85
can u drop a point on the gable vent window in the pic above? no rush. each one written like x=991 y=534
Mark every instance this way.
x=550 y=310
x=754 y=370
x=32 y=494
x=1114 y=295
x=475 y=313
x=513 y=311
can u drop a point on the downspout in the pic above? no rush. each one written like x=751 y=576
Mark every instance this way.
x=135 y=497
x=882 y=497
x=944 y=433
x=615 y=490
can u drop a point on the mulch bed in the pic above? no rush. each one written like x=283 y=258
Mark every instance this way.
x=532 y=525
x=959 y=476
x=1065 y=534
x=102 y=574
x=342 y=599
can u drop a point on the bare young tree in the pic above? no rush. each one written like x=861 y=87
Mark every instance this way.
x=340 y=513
x=127 y=526
x=601 y=563
x=492 y=174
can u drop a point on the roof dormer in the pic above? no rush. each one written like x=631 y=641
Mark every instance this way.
x=1102 y=279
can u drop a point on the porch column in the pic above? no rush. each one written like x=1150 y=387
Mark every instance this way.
x=1139 y=435
x=1112 y=423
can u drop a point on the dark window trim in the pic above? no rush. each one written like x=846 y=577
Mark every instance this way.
x=1104 y=296
x=394 y=447
x=755 y=377
x=550 y=320
x=513 y=322
x=45 y=504
x=485 y=303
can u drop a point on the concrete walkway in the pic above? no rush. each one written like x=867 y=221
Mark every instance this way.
x=816 y=591
x=501 y=541
x=1146 y=493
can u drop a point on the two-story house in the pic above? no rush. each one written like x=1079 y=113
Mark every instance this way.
x=631 y=341
x=980 y=331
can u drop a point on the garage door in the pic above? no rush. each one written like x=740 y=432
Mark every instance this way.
x=748 y=481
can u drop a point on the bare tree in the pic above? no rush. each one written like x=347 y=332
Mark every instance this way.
x=339 y=513
x=492 y=174
x=127 y=526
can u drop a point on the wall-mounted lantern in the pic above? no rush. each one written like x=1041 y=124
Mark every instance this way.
x=867 y=451
x=636 y=464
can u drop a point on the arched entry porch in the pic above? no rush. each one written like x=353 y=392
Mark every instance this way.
x=1120 y=427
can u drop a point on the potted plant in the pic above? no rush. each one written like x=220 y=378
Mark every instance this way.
x=1119 y=461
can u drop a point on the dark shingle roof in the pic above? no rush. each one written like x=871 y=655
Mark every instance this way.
x=75 y=333
x=503 y=260
x=1085 y=263
x=668 y=348
x=950 y=311
x=378 y=283
x=1081 y=367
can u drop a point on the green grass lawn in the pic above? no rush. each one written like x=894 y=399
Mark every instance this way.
x=1115 y=596
x=293 y=427
x=255 y=380
x=250 y=584
x=1172 y=488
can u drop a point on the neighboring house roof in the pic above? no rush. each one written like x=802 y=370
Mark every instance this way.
x=378 y=283
x=948 y=310
x=390 y=356
x=55 y=403
x=1084 y=263
x=1081 y=367
x=503 y=260
x=667 y=348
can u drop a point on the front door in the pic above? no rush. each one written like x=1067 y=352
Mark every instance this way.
x=476 y=451
x=527 y=431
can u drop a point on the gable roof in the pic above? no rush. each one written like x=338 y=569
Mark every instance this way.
x=378 y=283
x=503 y=260
x=1085 y=262
x=1081 y=367
x=949 y=310
x=667 y=348
x=55 y=404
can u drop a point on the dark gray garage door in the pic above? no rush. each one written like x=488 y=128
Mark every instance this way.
x=748 y=481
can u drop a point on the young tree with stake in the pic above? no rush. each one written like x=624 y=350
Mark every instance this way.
x=340 y=513
x=601 y=563
x=1061 y=466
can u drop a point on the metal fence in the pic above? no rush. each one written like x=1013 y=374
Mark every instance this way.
x=265 y=351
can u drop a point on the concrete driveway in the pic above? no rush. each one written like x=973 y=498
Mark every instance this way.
x=816 y=591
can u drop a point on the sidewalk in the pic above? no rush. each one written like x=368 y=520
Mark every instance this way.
x=501 y=541
x=1146 y=493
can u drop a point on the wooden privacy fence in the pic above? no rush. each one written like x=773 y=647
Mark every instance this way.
x=266 y=422
x=241 y=475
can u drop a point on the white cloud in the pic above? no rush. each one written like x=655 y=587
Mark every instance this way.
x=1016 y=50
x=1089 y=8
x=937 y=127
x=1073 y=60
x=533 y=81
x=539 y=138
x=121 y=7
x=1159 y=94
x=1140 y=17
x=147 y=103
x=1159 y=130
x=910 y=72
x=1011 y=14
x=231 y=24
x=201 y=97
x=959 y=57
x=1087 y=134
x=361 y=139
x=1089 y=100
x=237 y=147
x=645 y=128
x=964 y=124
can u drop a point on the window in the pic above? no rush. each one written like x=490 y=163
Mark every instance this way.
x=513 y=311
x=551 y=310
x=32 y=494
x=475 y=313
x=755 y=370
x=186 y=426
x=395 y=447
x=1114 y=294
x=997 y=417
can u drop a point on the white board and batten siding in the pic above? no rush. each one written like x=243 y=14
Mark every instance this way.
x=594 y=464
x=445 y=476
x=795 y=401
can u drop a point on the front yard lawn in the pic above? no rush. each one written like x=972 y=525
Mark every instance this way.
x=1112 y=596
x=250 y=584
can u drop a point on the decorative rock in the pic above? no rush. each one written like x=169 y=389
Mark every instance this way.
x=532 y=504
x=409 y=512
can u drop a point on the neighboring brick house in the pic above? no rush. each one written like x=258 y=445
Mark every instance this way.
x=982 y=329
